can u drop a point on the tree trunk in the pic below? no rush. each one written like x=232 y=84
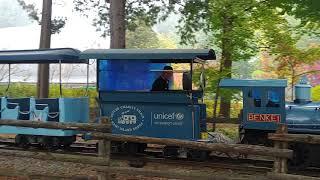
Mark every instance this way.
x=45 y=40
x=226 y=61
x=117 y=24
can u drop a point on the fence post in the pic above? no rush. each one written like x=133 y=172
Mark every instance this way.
x=280 y=164
x=284 y=145
x=104 y=148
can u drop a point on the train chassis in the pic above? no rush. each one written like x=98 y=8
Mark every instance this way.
x=167 y=151
x=47 y=142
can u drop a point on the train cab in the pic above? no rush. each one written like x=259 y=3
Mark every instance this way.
x=263 y=107
x=125 y=78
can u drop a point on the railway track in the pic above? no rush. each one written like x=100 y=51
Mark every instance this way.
x=242 y=165
x=153 y=156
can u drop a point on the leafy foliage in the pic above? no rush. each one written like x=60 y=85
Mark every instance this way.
x=146 y=11
x=307 y=11
x=315 y=93
x=56 y=24
x=142 y=37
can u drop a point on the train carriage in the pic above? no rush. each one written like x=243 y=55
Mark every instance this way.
x=60 y=109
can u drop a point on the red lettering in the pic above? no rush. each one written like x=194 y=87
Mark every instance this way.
x=276 y=118
x=257 y=117
x=250 y=116
x=268 y=117
x=264 y=117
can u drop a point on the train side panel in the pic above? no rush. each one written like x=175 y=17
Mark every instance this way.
x=162 y=115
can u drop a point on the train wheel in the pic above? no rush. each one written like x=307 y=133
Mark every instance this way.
x=170 y=151
x=51 y=143
x=134 y=148
x=64 y=142
x=198 y=155
x=22 y=141
x=301 y=156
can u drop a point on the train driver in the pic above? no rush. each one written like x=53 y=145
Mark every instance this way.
x=162 y=82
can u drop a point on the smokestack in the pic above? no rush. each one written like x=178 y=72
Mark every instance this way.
x=302 y=91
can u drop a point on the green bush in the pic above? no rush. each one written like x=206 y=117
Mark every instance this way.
x=236 y=106
x=229 y=130
x=315 y=93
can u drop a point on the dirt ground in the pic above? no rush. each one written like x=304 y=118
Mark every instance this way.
x=41 y=169
x=17 y=168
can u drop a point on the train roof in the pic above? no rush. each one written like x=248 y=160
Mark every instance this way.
x=154 y=55
x=65 y=55
x=238 y=83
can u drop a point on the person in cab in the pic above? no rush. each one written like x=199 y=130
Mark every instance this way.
x=162 y=82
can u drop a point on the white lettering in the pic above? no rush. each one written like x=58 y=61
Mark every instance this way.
x=168 y=116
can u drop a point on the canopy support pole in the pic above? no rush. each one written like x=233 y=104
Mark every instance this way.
x=60 y=78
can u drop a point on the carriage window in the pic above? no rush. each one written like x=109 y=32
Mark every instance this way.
x=255 y=95
x=273 y=99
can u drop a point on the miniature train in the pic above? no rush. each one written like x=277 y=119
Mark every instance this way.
x=124 y=79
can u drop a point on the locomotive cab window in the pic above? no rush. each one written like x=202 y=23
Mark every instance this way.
x=255 y=97
x=273 y=98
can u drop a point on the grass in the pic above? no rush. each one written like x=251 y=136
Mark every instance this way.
x=230 y=130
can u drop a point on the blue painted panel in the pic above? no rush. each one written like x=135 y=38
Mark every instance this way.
x=203 y=117
x=153 y=119
x=127 y=75
x=53 y=108
x=38 y=131
x=8 y=112
x=68 y=110
x=38 y=112
x=257 y=105
x=302 y=115
x=74 y=109
x=147 y=97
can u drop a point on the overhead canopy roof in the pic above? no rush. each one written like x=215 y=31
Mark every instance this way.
x=154 y=55
x=239 y=83
x=65 y=55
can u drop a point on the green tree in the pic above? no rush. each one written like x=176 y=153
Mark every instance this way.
x=142 y=37
x=232 y=25
x=282 y=41
x=166 y=42
x=145 y=37
x=307 y=11
x=135 y=10
x=237 y=27
x=57 y=23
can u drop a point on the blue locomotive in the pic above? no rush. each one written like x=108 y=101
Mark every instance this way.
x=124 y=84
x=60 y=109
x=264 y=107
